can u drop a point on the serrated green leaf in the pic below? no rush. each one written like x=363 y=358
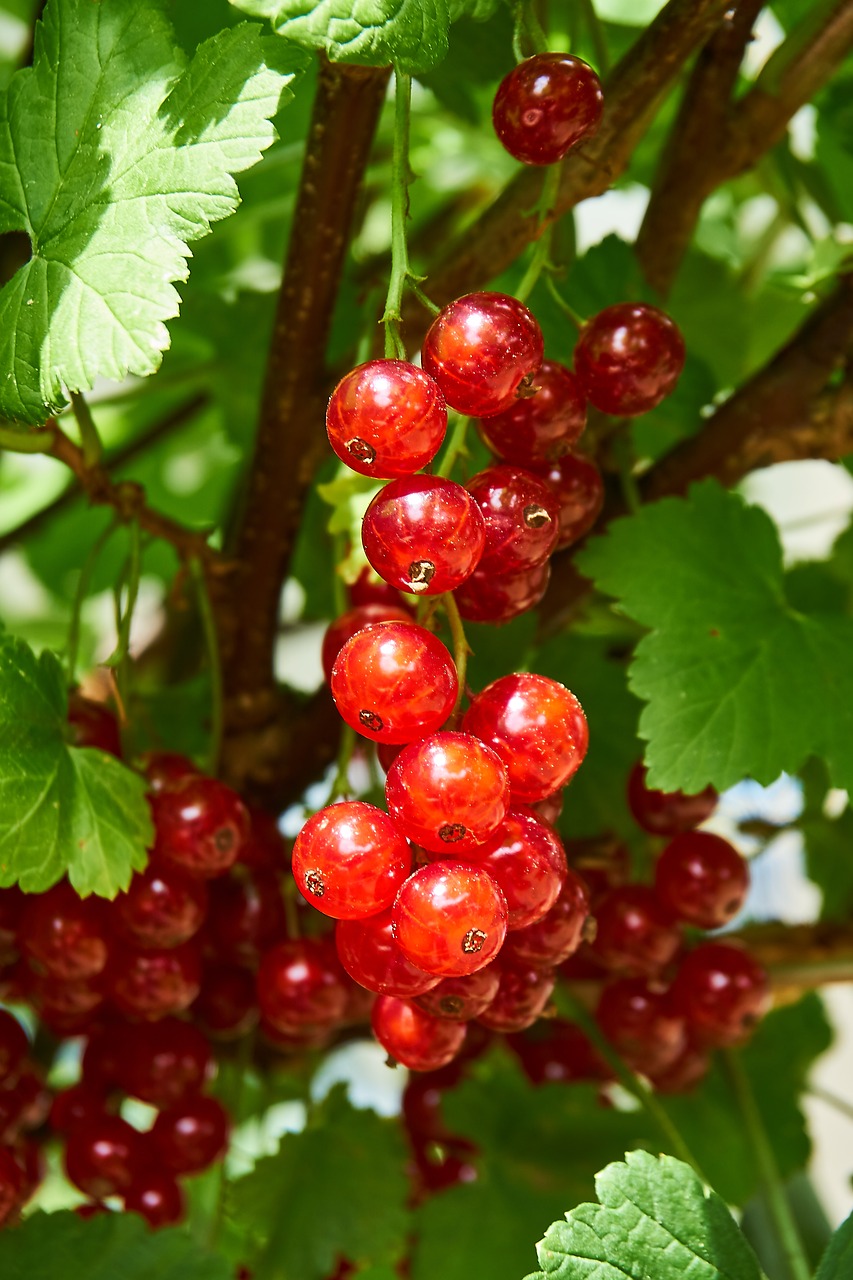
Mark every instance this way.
x=63 y=810
x=319 y=1198
x=115 y=152
x=102 y=1248
x=655 y=1219
x=837 y=1262
x=729 y=667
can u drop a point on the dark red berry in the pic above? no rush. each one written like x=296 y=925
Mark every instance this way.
x=345 y=627
x=372 y=958
x=91 y=724
x=264 y=849
x=386 y=418
x=551 y=940
x=162 y=908
x=543 y=426
x=522 y=997
x=521 y=515
x=423 y=534
x=702 y=879
x=301 y=985
x=527 y=861
x=201 y=826
x=576 y=482
x=12 y=1185
x=151 y=984
x=546 y=105
x=350 y=859
x=103 y=1157
x=722 y=992
x=226 y=1007
x=157 y=1197
x=159 y=1063
x=164 y=769
x=667 y=813
x=450 y=919
x=558 y=1051
x=12 y=904
x=492 y=597
x=190 y=1135
x=65 y=935
x=13 y=1048
x=246 y=915
x=635 y=935
x=76 y=1106
x=628 y=358
x=461 y=999
x=639 y=1021
x=413 y=1038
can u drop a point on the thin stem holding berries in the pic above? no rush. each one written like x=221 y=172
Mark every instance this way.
x=400 y=272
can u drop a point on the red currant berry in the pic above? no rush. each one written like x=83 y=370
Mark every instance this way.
x=301 y=985
x=423 y=534
x=55 y=998
x=667 y=813
x=579 y=489
x=394 y=682
x=227 y=1005
x=151 y=984
x=521 y=516
x=368 y=588
x=558 y=1051
x=551 y=940
x=550 y=808
x=13 y=1048
x=265 y=849
x=450 y=919
x=12 y=1185
x=547 y=105
x=246 y=915
x=480 y=349
x=75 y=1107
x=349 y=860
x=628 y=358
x=371 y=957
x=635 y=934
x=12 y=904
x=192 y=1134
x=522 y=997
x=448 y=793
x=413 y=1038
x=688 y=1070
x=158 y=1063
x=91 y=724
x=527 y=861
x=488 y=597
x=702 y=879
x=166 y=769
x=157 y=1197
x=345 y=627
x=638 y=1019
x=201 y=826
x=537 y=727
x=386 y=418
x=162 y=908
x=64 y=934
x=103 y=1157
x=543 y=426
x=461 y=999
x=722 y=993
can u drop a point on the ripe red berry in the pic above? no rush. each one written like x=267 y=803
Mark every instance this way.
x=551 y=940
x=480 y=349
x=346 y=626
x=265 y=849
x=349 y=860
x=547 y=105
x=628 y=358
x=688 y=1070
x=368 y=588
x=151 y=984
x=558 y=1051
x=159 y=1063
x=488 y=597
x=543 y=426
x=521 y=515
x=448 y=793
x=461 y=999
x=302 y=986
x=537 y=727
x=702 y=879
x=190 y=1135
x=201 y=826
x=371 y=956
x=394 y=682
x=527 y=861
x=226 y=1006
x=522 y=997
x=386 y=418
x=412 y=1037
x=722 y=992
x=157 y=1197
x=667 y=813
x=103 y=1157
x=63 y=934
x=246 y=915
x=639 y=1021
x=450 y=919
x=579 y=489
x=165 y=769
x=13 y=1048
x=635 y=935
x=76 y=1106
x=161 y=908
x=423 y=534
x=91 y=724
x=12 y=904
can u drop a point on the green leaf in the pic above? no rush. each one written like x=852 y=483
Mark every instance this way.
x=320 y=1197
x=115 y=152
x=104 y=1247
x=63 y=810
x=655 y=1219
x=738 y=683
x=837 y=1262
x=373 y=33
x=828 y=843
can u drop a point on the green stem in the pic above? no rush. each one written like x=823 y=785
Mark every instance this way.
x=125 y=616
x=80 y=594
x=25 y=441
x=577 y=321
x=572 y=1008
x=455 y=446
x=211 y=644
x=460 y=644
x=832 y=1100
x=400 y=272
x=625 y=458
x=596 y=35
x=93 y=450
x=340 y=783
x=542 y=249
x=777 y=1202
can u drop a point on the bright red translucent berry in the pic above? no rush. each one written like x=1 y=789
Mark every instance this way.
x=346 y=626
x=350 y=859
x=546 y=105
x=628 y=358
x=65 y=935
x=551 y=940
x=91 y=724
x=423 y=534
x=189 y=1136
x=162 y=908
x=702 y=879
x=492 y=597
x=157 y=1197
x=413 y=1038
x=579 y=489
x=722 y=992
x=201 y=826
x=522 y=997
x=372 y=958
x=301 y=985
x=461 y=999
x=368 y=588
x=639 y=1021
x=482 y=350
x=151 y=984
x=77 y=1106
x=246 y=915
x=550 y=808
x=521 y=516
x=159 y=1063
x=103 y=1157
x=667 y=813
x=13 y=1048
x=394 y=682
x=527 y=861
x=12 y=1185
x=450 y=919
x=165 y=769
x=227 y=1005
x=448 y=793
x=386 y=418
x=537 y=727
x=543 y=426
x=635 y=934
